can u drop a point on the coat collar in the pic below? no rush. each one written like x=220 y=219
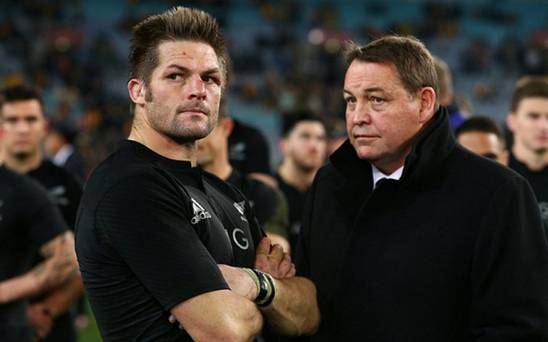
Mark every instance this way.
x=430 y=149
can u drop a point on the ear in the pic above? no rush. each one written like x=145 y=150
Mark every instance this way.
x=504 y=157
x=283 y=146
x=228 y=125
x=511 y=121
x=136 y=90
x=427 y=99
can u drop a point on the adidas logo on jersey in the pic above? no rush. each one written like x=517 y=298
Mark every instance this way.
x=199 y=212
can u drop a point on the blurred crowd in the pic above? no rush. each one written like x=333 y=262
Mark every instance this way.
x=286 y=55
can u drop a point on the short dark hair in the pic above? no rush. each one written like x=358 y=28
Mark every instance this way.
x=291 y=119
x=20 y=92
x=480 y=124
x=178 y=23
x=529 y=86
x=412 y=60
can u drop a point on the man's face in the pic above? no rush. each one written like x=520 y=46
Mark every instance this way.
x=23 y=126
x=529 y=123
x=306 y=145
x=485 y=144
x=182 y=99
x=382 y=118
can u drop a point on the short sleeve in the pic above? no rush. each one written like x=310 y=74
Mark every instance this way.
x=44 y=220
x=144 y=219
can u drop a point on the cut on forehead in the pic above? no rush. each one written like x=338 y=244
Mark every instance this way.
x=170 y=52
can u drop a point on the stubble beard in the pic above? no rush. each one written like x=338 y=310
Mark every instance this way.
x=167 y=124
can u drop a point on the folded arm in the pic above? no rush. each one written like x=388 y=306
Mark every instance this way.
x=294 y=309
x=59 y=265
x=220 y=315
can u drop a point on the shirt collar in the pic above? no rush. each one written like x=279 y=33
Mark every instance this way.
x=378 y=175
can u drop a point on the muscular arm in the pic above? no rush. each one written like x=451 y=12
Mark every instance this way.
x=294 y=310
x=61 y=298
x=58 y=266
x=219 y=316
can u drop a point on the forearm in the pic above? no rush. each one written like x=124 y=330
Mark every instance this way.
x=20 y=287
x=61 y=298
x=219 y=316
x=294 y=310
x=59 y=264
x=31 y=283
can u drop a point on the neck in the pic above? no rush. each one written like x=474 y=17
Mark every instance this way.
x=296 y=176
x=163 y=145
x=220 y=169
x=24 y=165
x=533 y=160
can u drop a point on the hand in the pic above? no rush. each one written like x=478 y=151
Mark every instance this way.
x=40 y=319
x=273 y=260
x=239 y=281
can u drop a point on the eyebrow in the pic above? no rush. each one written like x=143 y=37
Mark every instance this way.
x=182 y=68
x=368 y=90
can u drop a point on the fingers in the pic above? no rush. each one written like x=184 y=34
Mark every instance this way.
x=276 y=253
x=263 y=247
x=285 y=266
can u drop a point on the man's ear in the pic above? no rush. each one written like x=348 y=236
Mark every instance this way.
x=136 y=89
x=427 y=98
x=283 y=146
x=511 y=121
x=228 y=125
x=504 y=157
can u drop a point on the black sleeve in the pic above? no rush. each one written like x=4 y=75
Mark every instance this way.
x=44 y=220
x=510 y=269
x=145 y=219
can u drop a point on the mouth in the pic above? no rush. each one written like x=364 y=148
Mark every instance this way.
x=365 y=136
x=193 y=111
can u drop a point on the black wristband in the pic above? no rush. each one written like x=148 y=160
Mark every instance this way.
x=267 y=291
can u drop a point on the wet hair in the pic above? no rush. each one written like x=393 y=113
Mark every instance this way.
x=20 y=92
x=291 y=119
x=178 y=23
x=480 y=124
x=529 y=86
x=414 y=63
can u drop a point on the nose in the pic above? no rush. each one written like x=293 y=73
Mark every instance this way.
x=197 y=88
x=361 y=114
x=21 y=126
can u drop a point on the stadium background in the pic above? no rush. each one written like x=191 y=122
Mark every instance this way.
x=286 y=55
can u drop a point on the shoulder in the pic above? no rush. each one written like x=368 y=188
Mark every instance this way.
x=227 y=189
x=130 y=180
x=480 y=172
